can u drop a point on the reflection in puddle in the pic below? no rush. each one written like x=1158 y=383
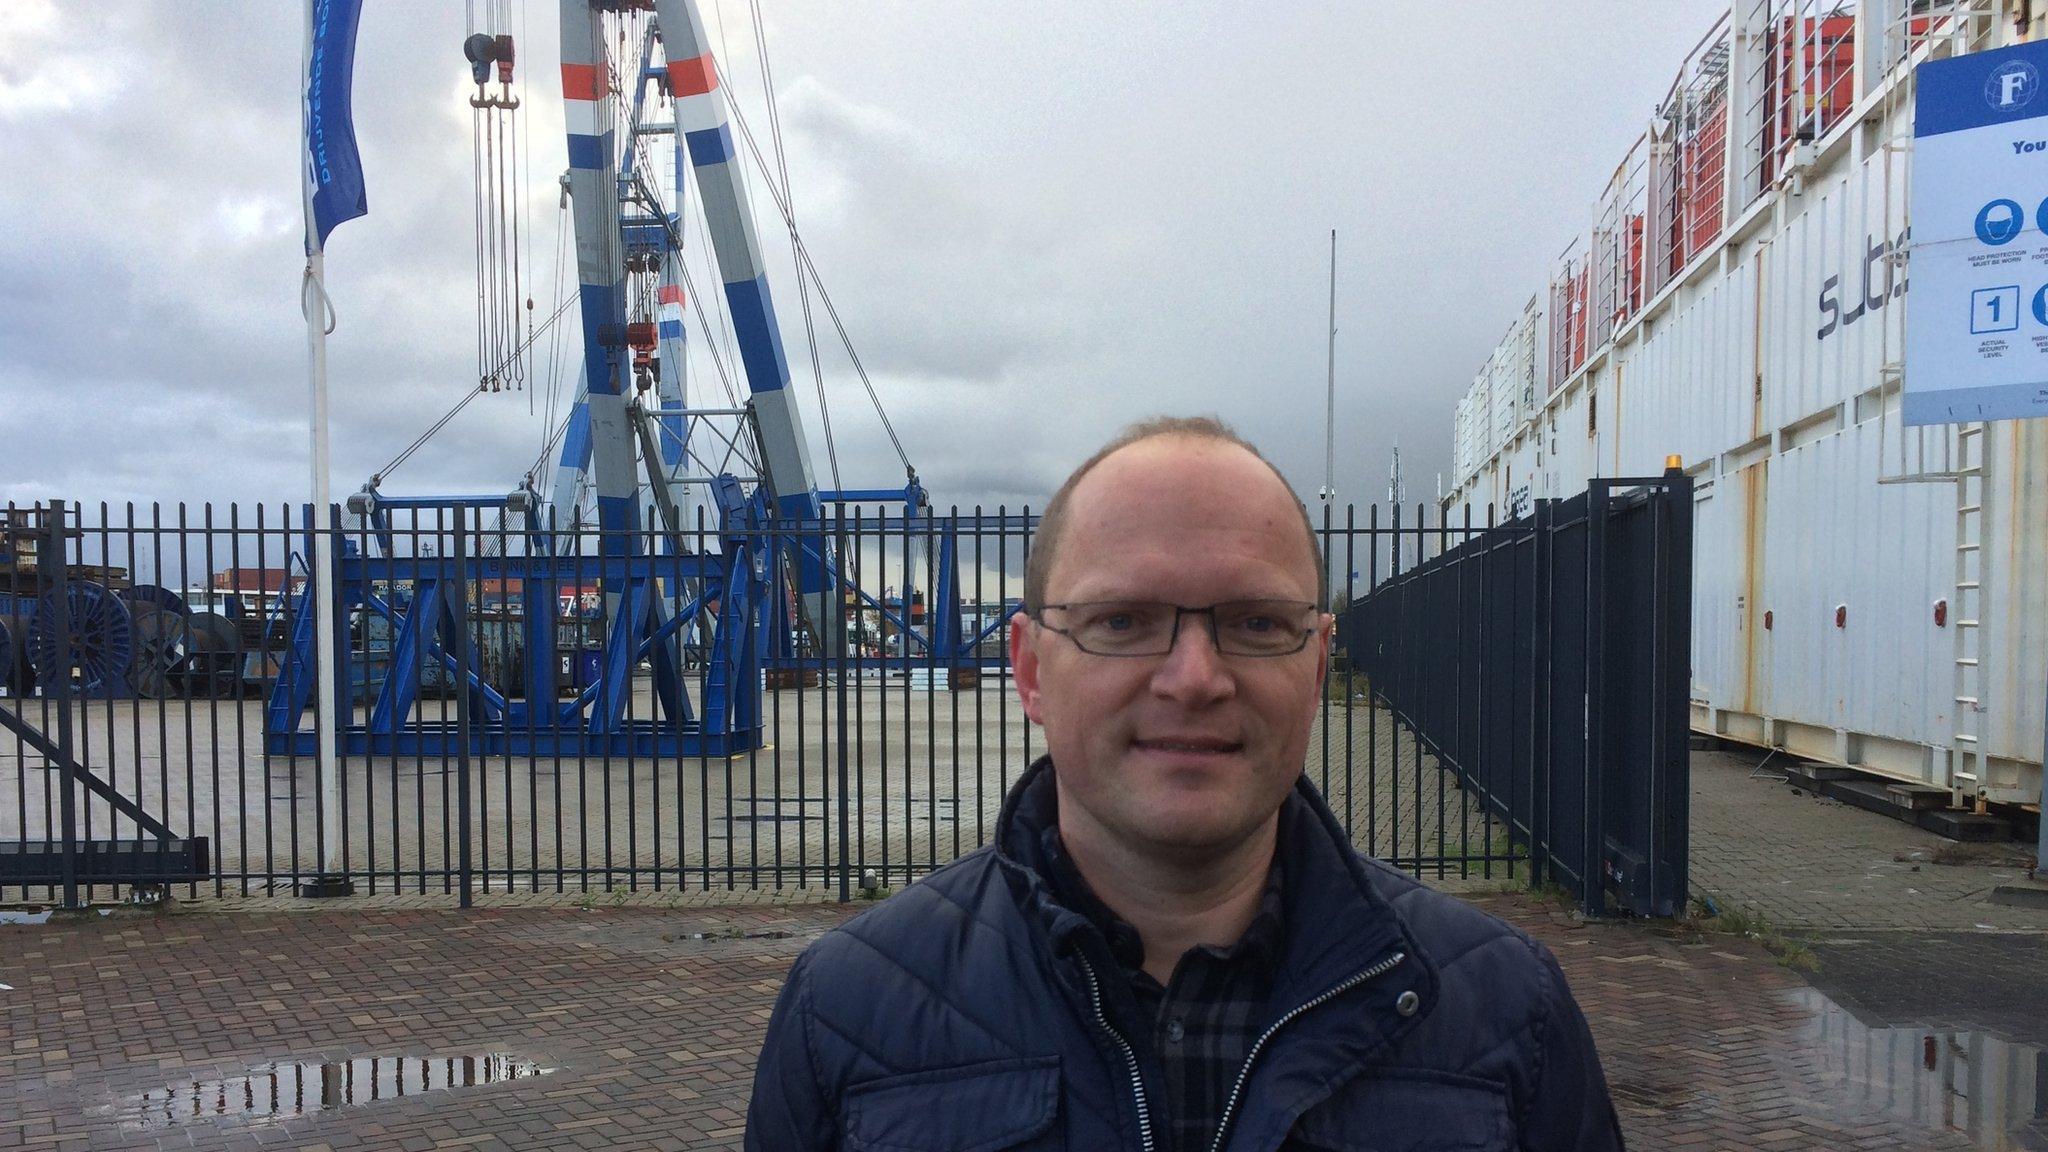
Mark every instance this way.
x=280 y=1091
x=1966 y=1082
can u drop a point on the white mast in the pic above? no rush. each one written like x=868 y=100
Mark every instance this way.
x=1330 y=402
x=314 y=304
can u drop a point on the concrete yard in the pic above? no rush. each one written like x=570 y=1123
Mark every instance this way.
x=925 y=775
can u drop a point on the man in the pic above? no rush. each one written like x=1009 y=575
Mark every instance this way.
x=1171 y=944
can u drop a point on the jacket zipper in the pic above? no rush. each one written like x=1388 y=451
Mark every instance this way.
x=1244 y=1073
x=1130 y=1058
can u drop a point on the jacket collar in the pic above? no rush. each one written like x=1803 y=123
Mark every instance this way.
x=1336 y=923
x=1338 y=927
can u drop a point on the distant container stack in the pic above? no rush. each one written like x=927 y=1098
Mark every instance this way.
x=1866 y=594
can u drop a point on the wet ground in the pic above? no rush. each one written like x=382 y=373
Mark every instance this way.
x=537 y=1022
x=636 y=1028
x=1929 y=980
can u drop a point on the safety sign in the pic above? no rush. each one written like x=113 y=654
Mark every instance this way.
x=1977 y=321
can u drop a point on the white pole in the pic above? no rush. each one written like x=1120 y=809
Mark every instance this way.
x=313 y=302
x=1330 y=399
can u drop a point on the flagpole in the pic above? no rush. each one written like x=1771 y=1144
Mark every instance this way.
x=313 y=303
x=1330 y=393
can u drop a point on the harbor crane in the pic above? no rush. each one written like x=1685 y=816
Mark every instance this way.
x=765 y=595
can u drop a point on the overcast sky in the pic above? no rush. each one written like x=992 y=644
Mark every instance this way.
x=1039 y=221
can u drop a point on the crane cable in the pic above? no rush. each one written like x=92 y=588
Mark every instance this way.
x=470 y=392
x=803 y=289
x=554 y=375
x=824 y=295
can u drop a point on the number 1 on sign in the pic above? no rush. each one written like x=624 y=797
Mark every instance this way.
x=1995 y=309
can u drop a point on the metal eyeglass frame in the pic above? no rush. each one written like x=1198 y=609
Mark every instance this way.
x=1173 y=634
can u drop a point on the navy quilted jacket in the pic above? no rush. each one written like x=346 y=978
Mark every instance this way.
x=972 y=1013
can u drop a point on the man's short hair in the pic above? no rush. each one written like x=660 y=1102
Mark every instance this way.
x=1045 y=542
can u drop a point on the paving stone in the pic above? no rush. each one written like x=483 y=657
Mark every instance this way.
x=1807 y=862
x=652 y=1030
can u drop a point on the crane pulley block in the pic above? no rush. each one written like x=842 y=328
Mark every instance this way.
x=482 y=50
x=501 y=51
x=634 y=334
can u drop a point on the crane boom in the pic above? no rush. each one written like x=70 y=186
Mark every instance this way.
x=729 y=217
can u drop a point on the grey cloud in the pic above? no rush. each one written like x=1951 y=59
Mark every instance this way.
x=1039 y=223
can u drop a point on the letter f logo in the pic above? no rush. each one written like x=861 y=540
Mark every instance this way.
x=2012 y=85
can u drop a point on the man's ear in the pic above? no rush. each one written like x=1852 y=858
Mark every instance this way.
x=1325 y=637
x=1024 y=664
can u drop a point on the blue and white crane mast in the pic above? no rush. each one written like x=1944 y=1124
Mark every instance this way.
x=702 y=122
x=590 y=116
x=653 y=239
x=704 y=133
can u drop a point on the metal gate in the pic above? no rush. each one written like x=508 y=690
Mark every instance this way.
x=69 y=631
x=1546 y=665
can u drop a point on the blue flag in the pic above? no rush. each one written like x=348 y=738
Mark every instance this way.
x=333 y=168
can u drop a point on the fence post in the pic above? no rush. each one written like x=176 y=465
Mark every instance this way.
x=53 y=563
x=1541 y=623
x=1470 y=698
x=1593 y=871
x=1672 y=796
x=839 y=653
x=459 y=611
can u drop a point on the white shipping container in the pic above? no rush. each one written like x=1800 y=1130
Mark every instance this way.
x=1827 y=537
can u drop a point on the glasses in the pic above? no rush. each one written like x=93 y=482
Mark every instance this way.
x=1149 y=628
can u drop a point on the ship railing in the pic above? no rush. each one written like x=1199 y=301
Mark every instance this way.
x=1569 y=313
x=1918 y=29
x=1690 y=169
x=1798 y=80
x=1620 y=244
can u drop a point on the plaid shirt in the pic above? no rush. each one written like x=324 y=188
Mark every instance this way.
x=1207 y=1016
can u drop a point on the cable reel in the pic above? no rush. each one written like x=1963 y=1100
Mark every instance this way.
x=99 y=636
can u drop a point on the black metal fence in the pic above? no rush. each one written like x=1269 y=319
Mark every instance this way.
x=824 y=708
x=1545 y=663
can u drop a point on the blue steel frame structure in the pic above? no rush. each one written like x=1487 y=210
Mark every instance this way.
x=780 y=526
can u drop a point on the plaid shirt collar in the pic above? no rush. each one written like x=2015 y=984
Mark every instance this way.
x=1260 y=943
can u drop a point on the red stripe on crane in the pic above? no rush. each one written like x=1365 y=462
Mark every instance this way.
x=692 y=77
x=670 y=294
x=583 y=82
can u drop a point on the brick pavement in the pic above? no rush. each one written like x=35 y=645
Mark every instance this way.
x=1807 y=862
x=650 y=1018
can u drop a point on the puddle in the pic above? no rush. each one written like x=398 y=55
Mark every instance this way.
x=283 y=1091
x=17 y=916
x=1991 y=1090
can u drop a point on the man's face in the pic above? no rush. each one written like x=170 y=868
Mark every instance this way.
x=1187 y=754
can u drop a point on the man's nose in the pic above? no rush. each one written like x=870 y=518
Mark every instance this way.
x=1193 y=671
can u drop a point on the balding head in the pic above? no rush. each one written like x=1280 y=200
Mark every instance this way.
x=1203 y=430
